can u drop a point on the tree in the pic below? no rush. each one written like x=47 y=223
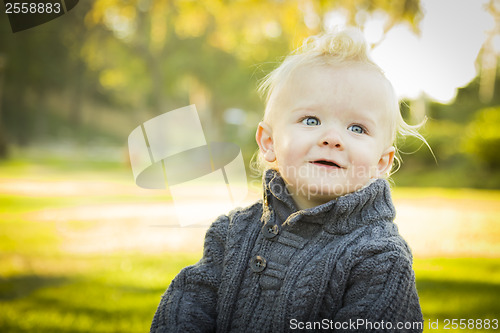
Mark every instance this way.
x=489 y=56
x=205 y=51
x=159 y=55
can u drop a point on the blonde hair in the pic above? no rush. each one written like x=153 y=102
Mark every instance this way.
x=345 y=47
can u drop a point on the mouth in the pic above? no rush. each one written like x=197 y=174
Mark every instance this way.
x=326 y=163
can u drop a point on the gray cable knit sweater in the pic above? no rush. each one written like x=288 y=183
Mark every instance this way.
x=339 y=266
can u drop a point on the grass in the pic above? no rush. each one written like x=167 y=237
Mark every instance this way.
x=44 y=288
x=109 y=293
x=458 y=288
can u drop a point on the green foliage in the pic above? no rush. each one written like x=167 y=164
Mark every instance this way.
x=142 y=58
x=96 y=73
x=484 y=136
x=463 y=138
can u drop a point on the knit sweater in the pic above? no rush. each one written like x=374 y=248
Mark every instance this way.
x=270 y=267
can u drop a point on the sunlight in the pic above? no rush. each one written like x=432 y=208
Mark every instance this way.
x=443 y=57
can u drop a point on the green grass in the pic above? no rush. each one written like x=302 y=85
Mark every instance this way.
x=114 y=293
x=459 y=288
x=120 y=292
x=458 y=194
x=44 y=164
x=46 y=289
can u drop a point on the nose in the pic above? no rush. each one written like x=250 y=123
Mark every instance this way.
x=332 y=139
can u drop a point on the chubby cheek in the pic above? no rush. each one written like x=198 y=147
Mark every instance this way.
x=364 y=172
x=287 y=164
x=288 y=152
x=365 y=165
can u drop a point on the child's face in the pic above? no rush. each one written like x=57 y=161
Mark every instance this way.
x=328 y=131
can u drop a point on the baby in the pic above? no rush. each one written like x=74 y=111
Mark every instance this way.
x=320 y=251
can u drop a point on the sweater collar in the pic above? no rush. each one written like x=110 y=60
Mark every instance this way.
x=339 y=216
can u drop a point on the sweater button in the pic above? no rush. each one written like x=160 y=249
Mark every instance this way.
x=270 y=230
x=258 y=264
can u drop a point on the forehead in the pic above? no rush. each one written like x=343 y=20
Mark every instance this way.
x=340 y=80
x=351 y=86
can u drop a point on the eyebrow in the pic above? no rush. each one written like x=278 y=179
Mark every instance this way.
x=310 y=108
x=363 y=118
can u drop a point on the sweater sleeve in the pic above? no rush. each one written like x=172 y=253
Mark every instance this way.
x=381 y=293
x=189 y=304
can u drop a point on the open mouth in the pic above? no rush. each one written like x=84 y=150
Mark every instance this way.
x=327 y=163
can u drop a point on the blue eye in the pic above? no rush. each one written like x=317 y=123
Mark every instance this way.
x=356 y=129
x=311 y=121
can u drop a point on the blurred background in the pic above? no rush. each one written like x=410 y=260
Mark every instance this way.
x=82 y=248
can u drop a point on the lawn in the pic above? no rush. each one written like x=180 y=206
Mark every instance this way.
x=64 y=269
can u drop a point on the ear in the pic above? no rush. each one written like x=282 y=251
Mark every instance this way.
x=385 y=163
x=265 y=141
